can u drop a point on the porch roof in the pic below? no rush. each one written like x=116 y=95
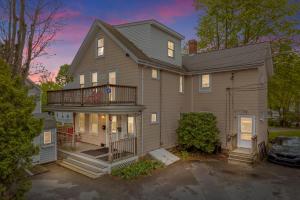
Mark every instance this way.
x=114 y=109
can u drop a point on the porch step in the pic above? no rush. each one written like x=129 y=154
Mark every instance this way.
x=84 y=159
x=86 y=166
x=79 y=169
x=241 y=156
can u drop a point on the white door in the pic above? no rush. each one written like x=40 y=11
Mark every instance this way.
x=112 y=79
x=246 y=130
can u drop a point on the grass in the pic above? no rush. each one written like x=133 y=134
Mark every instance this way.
x=140 y=168
x=274 y=134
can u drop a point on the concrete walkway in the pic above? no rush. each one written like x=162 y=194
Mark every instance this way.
x=183 y=180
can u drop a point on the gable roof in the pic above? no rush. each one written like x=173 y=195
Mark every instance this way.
x=129 y=47
x=249 y=56
x=155 y=23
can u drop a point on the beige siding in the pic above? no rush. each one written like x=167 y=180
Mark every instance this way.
x=245 y=99
x=114 y=59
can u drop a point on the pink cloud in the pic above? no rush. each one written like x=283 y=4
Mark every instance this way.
x=166 y=13
x=67 y=14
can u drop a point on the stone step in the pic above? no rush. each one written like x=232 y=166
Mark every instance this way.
x=80 y=170
x=246 y=155
x=86 y=165
x=241 y=158
x=239 y=161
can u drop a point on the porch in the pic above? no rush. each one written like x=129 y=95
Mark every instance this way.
x=97 y=142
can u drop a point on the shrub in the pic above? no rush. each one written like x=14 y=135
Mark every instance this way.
x=140 y=168
x=198 y=131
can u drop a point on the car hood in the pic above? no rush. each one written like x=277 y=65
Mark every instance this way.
x=286 y=150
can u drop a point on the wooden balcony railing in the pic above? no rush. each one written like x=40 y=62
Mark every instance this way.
x=93 y=96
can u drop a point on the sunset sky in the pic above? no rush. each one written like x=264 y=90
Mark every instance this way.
x=79 y=15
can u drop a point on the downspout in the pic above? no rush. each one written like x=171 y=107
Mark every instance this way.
x=142 y=102
x=160 y=113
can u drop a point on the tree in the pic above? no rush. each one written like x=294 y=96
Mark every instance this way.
x=18 y=128
x=284 y=86
x=47 y=86
x=63 y=76
x=26 y=30
x=229 y=23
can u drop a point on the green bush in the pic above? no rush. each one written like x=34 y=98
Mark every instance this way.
x=198 y=131
x=140 y=168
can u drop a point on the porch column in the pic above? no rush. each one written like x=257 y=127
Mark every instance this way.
x=74 y=132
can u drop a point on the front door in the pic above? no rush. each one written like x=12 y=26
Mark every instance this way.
x=246 y=129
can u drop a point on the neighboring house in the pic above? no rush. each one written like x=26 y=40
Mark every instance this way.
x=64 y=117
x=47 y=140
x=131 y=83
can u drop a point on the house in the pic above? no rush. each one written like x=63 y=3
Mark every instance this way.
x=131 y=83
x=46 y=140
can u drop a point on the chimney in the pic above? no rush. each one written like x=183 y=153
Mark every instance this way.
x=192 y=44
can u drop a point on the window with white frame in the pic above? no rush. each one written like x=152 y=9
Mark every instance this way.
x=47 y=137
x=154 y=118
x=112 y=79
x=100 y=47
x=154 y=73
x=171 y=49
x=94 y=79
x=130 y=125
x=81 y=80
x=94 y=123
x=181 y=84
x=114 y=124
x=81 y=122
x=205 y=82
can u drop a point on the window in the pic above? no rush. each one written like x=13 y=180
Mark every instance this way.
x=114 y=124
x=205 y=83
x=130 y=125
x=154 y=118
x=81 y=122
x=47 y=137
x=81 y=80
x=94 y=123
x=181 y=84
x=154 y=74
x=94 y=79
x=100 y=47
x=171 y=49
x=112 y=79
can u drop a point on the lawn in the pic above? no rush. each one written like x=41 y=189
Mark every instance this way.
x=274 y=134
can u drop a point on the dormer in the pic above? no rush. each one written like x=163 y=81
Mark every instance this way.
x=155 y=40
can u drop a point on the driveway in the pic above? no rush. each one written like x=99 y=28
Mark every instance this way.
x=183 y=180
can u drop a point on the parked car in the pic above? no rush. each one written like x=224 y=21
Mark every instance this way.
x=285 y=151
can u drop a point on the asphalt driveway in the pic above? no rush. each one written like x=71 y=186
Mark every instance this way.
x=183 y=180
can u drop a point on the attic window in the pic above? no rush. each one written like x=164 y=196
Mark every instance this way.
x=100 y=47
x=171 y=49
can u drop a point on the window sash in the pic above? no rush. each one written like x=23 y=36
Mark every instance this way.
x=47 y=137
x=171 y=49
x=100 y=47
x=154 y=118
x=181 y=84
x=154 y=74
x=94 y=78
x=205 y=81
x=81 y=122
x=114 y=124
x=81 y=80
x=130 y=125
x=94 y=123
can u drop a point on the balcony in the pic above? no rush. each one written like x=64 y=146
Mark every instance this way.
x=103 y=95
